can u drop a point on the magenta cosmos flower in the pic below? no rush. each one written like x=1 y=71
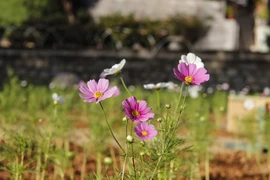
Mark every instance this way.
x=137 y=111
x=145 y=130
x=189 y=74
x=97 y=91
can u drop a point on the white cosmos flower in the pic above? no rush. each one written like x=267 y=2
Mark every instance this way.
x=192 y=59
x=193 y=91
x=249 y=104
x=156 y=86
x=266 y=91
x=56 y=98
x=115 y=69
x=171 y=86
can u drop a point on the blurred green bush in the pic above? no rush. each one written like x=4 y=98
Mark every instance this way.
x=50 y=28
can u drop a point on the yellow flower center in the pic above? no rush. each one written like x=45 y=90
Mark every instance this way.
x=98 y=94
x=144 y=133
x=135 y=113
x=189 y=79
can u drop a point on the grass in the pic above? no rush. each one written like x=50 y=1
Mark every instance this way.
x=36 y=132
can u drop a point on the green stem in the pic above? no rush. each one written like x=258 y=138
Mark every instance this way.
x=83 y=163
x=99 y=164
x=110 y=127
x=206 y=165
x=158 y=99
x=180 y=96
x=125 y=161
x=124 y=84
x=183 y=103
x=132 y=151
x=159 y=160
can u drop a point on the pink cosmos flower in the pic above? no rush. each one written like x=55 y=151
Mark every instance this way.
x=97 y=91
x=145 y=130
x=137 y=111
x=189 y=74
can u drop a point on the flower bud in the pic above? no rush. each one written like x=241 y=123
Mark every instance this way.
x=159 y=119
x=142 y=143
x=108 y=161
x=130 y=139
x=202 y=118
x=142 y=153
x=124 y=119
x=167 y=106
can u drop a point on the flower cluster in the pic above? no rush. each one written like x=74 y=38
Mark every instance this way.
x=138 y=112
x=191 y=70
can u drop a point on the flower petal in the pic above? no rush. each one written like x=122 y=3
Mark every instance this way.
x=178 y=75
x=109 y=93
x=92 y=85
x=85 y=90
x=142 y=105
x=191 y=58
x=102 y=85
x=192 y=69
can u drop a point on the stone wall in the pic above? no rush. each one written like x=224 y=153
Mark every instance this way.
x=41 y=66
x=158 y=9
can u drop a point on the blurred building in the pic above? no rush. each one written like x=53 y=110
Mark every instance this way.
x=234 y=24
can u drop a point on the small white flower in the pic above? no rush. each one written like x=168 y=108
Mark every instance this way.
x=157 y=86
x=266 y=91
x=57 y=98
x=194 y=91
x=171 y=86
x=192 y=59
x=209 y=90
x=130 y=139
x=249 y=104
x=115 y=69
x=225 y=86
x=149 y=86
x=108 y=161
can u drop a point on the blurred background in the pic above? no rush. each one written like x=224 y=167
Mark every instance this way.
x=41 y=40
x=49 y=47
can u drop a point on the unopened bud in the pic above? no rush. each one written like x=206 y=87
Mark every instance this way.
x=202 y=118
x=130 y=139
x=167 y=106
x=108 y=161
x=124 y=119
x=142 y=143
x=159 y=119
x=142 y=153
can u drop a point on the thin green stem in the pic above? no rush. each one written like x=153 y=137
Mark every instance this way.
x=125 y=161
x=124 y=84
x=183 y=103
x=159 y=160
x=158 y=99
x=132 y=151
x=110 y=127
x=180 y=96
x=206 y=165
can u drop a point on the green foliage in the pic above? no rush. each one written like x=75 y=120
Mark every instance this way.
x=15 y=12
x=128 y=30
x=36 y=127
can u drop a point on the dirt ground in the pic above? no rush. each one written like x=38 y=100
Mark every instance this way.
x=225 y=163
